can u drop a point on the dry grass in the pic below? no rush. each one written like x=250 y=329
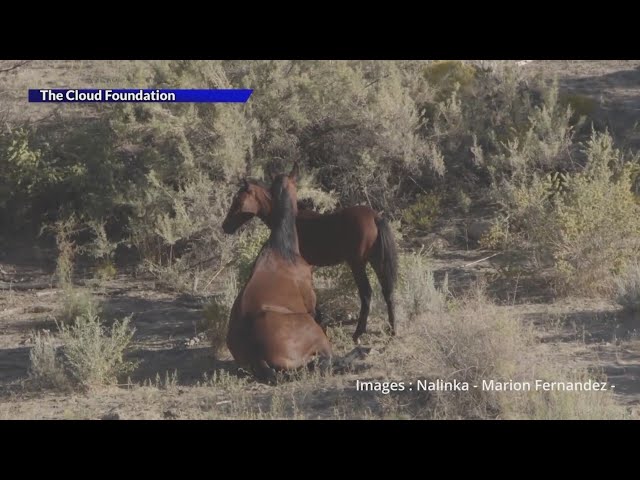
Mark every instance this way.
x=46 y=365
x=476 y=341
x=628 y=288
x=75 y=302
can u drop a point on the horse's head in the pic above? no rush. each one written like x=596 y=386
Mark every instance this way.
x=250 y=200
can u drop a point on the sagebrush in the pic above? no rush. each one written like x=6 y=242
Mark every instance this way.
x=587 y=227
x=94 y=353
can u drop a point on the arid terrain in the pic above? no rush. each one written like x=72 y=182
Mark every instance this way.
x=178 y=376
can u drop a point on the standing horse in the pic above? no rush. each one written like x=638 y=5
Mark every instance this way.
x=355 y=235
x=272 y=325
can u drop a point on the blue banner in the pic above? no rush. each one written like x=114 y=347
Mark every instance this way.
x=59 y=95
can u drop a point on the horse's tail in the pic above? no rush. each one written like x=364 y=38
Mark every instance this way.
x=387 y=254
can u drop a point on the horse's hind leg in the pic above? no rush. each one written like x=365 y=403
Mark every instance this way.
x=387 y=292
x=364 y=290
x=264 y=373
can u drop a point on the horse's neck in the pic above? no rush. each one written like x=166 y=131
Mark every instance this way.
x=264 y=212
x=284 y=238
x=284 y=235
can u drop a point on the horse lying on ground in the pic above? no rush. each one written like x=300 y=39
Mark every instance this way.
x=355 y=235
x=272 y=326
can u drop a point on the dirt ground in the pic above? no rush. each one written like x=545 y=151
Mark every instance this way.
x=176 y=364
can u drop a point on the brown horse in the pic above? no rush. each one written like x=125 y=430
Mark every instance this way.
x=355 y=235
x=272 y=325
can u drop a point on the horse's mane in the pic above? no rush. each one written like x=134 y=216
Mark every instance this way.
x=283 y=230
x=259 y=183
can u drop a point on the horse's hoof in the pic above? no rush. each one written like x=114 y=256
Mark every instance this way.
x=356 y=338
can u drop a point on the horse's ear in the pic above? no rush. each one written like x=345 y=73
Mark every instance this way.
x=245 y=183
x=295 y=171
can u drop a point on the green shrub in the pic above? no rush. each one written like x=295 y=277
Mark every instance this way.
x=581 y=105
x=498 y=237
x=105 y=270
x=101 y=250
x=463 y=200
x=423 y=212
x=247 y=248
x=444 y=74
x=590 y=230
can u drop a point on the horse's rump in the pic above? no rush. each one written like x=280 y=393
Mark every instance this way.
x=288 y=341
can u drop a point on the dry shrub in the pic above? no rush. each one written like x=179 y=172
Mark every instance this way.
x=417 y=293
x=216 y=313
x=336 y=292
x=64 y=230
x=46 y=364
x=476 y=341
x=93 y=353
x=628 y=288
x=75 y=302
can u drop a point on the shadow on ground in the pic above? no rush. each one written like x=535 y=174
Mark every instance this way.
x=14 y=364
x=617 y=96
x=589 y=326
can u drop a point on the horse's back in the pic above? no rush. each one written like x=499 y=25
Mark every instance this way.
x=280 y=287
x=347 y=234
